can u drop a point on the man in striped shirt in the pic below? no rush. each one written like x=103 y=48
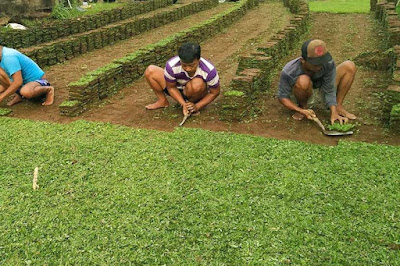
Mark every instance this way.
x=188 y=78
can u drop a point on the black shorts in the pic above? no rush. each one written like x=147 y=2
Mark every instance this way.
x=180 y=90
x=42 y=82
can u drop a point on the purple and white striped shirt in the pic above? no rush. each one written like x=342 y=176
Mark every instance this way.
x=174 y=72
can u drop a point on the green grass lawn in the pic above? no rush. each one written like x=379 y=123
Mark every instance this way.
x=340 y=6
x=110 y=195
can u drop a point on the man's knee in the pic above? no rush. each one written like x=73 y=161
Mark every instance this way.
x=303 y=83
x=150 y=70
x=196 y=85
x=349 y=67
x=27 y=92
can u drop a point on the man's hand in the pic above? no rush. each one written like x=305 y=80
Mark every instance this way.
x=342 y=120
x=192 y=108
x=309 y=114
x=185 y=110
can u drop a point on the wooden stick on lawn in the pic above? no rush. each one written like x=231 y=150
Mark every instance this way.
x=35 y=178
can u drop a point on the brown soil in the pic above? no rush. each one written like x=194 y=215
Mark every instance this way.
x=345 y=40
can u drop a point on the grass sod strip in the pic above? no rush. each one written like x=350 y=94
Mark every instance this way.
x=5 y=111
x=254 y=72
x=109 y=194
x=340 y=6
x=93 y=85
x=395 y=118
x=64 y=27
x=341 y=128
x=81 y=43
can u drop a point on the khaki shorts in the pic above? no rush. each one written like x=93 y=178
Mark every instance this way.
x=317 y=97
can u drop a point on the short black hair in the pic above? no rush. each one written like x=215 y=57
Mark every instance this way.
x=188 y=52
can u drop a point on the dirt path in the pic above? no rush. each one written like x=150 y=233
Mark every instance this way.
x=346 y=36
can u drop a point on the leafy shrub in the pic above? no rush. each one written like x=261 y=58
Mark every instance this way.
x=61 y=12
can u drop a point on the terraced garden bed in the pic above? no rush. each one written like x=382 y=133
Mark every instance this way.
x=54 y=30
x=105 y=81
x=255 y=71
x=75 y=45
x=224 y=50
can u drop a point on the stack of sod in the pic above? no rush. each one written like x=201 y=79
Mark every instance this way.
x=395 y=118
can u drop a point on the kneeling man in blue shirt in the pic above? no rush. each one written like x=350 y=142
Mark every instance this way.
x=21 y=75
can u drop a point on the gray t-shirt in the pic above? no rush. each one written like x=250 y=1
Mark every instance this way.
x=323 y=79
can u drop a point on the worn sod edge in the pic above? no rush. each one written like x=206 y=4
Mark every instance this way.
x=107 y=80
x=395 y=118
x=253 y=75
x=385 y=12
x=67 y=49
x=5 y=111
x=63 y=28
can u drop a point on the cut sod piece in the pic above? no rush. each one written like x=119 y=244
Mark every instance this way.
x=341 y=128
x=5 y=111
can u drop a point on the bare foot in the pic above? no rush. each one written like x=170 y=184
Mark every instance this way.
x=297 y=116
x=15 y=100
x=343 y=112
x=157 y=105
x=49 y=97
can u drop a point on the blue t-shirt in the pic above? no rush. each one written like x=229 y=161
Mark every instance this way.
x=13 y=61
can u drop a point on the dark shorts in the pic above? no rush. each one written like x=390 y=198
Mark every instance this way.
x=42 y=82
x=180 y=90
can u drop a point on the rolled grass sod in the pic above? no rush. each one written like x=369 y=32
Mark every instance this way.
x=339 y=6
x=114 y=195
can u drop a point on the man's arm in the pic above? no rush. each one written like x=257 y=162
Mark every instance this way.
x=177 y=96
x=328 y=87
x=14 y=86
x=284 y=91
x=4 y=80
x=289 y=104
x=211 y=96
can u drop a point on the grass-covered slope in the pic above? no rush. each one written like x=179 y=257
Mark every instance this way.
x=110 y=194
x=340 y=6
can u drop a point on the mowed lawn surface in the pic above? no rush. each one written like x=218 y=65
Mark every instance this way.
x=110 y=194
x=340 y=6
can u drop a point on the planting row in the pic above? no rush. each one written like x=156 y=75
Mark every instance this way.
x=385 y=11
x=79 y=44
x=107 y=80
x=62 y=28
x=253 y=75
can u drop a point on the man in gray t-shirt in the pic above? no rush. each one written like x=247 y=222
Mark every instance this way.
x=315 y=69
